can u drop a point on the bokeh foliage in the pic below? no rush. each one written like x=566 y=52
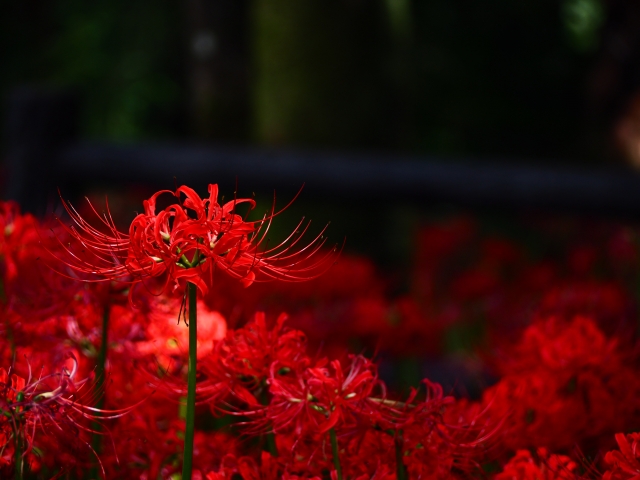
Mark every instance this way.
x=443 y=76
x=123 y=58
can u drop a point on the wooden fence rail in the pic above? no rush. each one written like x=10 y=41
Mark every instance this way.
x=43 y=153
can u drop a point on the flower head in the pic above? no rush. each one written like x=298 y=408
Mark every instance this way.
x=189 y=240
x=51 y=411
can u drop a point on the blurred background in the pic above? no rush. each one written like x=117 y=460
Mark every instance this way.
x=96 y=94
x=412 y=123
x=550 y=80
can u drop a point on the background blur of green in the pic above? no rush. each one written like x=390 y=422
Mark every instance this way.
x=500 y=78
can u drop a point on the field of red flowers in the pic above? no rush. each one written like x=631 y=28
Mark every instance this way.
x=494 y=359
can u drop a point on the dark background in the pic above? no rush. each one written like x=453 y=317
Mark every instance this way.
x=535 y=79
x=541 y=83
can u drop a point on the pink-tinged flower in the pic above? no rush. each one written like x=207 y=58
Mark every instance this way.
x=166 y=338
x=190 y=240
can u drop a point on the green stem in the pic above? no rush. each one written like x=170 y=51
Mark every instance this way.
x=334 y=450
x=401 y=472
x=96 y=442
x=191 y=383
x=272 y=447
x=271 y=444
x=17 y=441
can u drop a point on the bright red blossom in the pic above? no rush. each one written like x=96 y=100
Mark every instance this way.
x=189 y=240
x=324 y=397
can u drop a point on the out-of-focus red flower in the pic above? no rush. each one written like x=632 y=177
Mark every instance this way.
x=564 y=383
x=582 y=259
x=606 y=302
x=542 y=466
x=247 y=468
x=624 y=464
x=166 y=338
x=190 y=240
x=52 y=413
x=438 y=435
x=557 y=344
x=17 y=234
x=28 y=286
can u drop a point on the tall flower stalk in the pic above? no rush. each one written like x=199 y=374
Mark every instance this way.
x=192 y=293
x=335 y=453
x=185 y=244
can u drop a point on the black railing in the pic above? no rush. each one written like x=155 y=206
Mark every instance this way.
x=43 y=154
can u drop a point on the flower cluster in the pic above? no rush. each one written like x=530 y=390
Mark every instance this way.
x=566 y=381
x=541 y=349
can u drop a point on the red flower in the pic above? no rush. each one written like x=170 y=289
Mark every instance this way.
x=189 y=240
x=49 y=411
x=243 y=361
x=566 y=383
x=321 y=397
x=625 y=463
x=523 y=466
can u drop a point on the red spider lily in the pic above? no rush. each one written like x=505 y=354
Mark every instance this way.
x=150 y=439
x=243 y=362
x=17 y=232
x=246 y=468
x=427 y=413
x=238 y=366
x=437 y=435
x=321 y=398
x=165 y=338
x=567 y=381
x=55 y=405
x=189 y=240
x=26 y=285
x=543 y=466
x=624 y=464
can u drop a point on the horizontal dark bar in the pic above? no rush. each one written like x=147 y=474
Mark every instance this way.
x=360 y=176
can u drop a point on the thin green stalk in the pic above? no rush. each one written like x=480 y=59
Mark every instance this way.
x=334 y=450
x=272 y=448
x=191 y=383
x=18 y=454
x=401 y=472
x=18 y=440
x=96 y=442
